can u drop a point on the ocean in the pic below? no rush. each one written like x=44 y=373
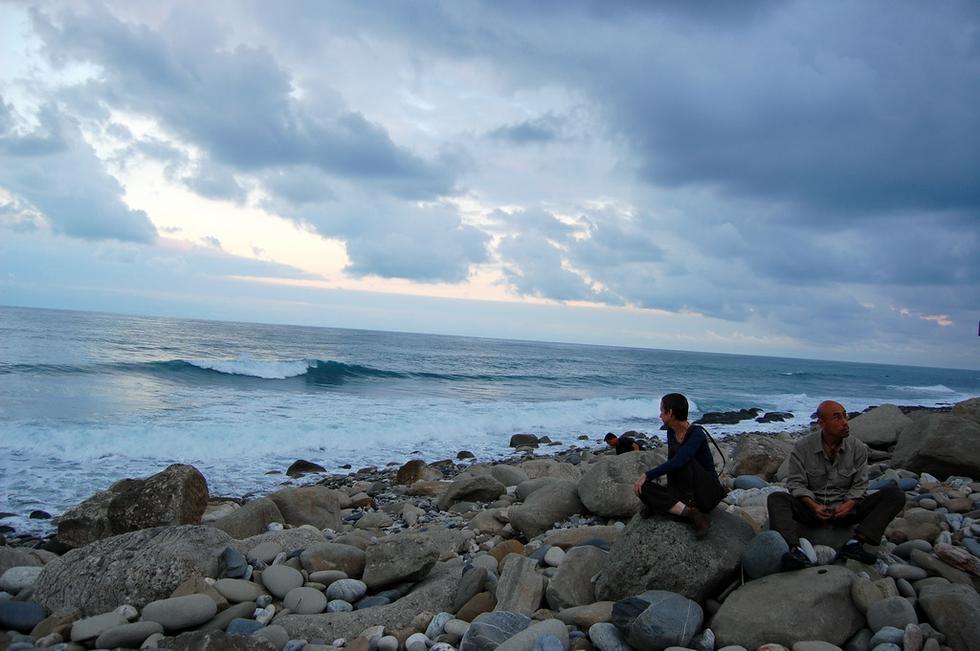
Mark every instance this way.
x=90 y=398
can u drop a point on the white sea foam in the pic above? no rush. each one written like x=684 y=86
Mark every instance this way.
x=935 y=388
x=266 y=369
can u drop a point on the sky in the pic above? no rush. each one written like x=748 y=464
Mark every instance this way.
x=780 y=178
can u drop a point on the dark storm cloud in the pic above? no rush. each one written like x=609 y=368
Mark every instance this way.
x=543 y=129
x=237 y=104
x=54 y=170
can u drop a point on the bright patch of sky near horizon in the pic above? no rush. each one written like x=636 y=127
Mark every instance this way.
x=774 y=180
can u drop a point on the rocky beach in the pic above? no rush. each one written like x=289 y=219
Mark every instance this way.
x=541 y=551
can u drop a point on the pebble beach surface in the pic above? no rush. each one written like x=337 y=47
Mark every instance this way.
x=542 y=551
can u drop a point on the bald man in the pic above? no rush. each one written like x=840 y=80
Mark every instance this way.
x=827 y=482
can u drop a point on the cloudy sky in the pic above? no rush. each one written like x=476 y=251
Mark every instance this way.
x=784 y=178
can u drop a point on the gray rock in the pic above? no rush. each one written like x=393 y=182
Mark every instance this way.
x=879 y=427
x=18 y=578
x=768 y=609
x=251 y=519
x=374 y=520
x=238 y=590
x=759 y=455
x=887 y=647
x=333 y=556
x=893 y=611
x=215 y=641
x=940 y=444
x=280 y=579
x=179 y=613
x=127 y=636
x=969 y=409
x=527 y=639
x=906 y=571
x=133 y=568
x=572 y=584
x=176 y=495
x=21 y=616
x=243 y=626
x=92 y=627
x=745 y=482
x=17 y=557
x=416 y=470
x=519 y=588
x=954 y=609
x=606 y=637
x=220 y=621
x=663 y=619
x=275 y=634
x=489 y=630
x=525 y=488
x=399 y=558
x=437 y=625
x=233 y=563
x=537 y=468
x=314 y=505
x=508 y=475
x=660 y=553
x=469 y=586
x=887 y=635
x=349 y=590
x=544 y=507
x=265 y=552
x=482 y=488
x=326 y=577
x=606 y=488
x=763 y=555
x=339 y=606
x=305 y=601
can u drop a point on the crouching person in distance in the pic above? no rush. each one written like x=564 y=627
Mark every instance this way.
x=827 y=482
x=689 y=463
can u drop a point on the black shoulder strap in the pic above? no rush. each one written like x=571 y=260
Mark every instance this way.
x=724 y=459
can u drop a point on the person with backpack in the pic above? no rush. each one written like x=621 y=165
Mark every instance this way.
x=693 y=488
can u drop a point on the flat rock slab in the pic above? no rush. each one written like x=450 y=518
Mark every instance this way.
x=133 y=568
x=769 y=609
x=434 y=594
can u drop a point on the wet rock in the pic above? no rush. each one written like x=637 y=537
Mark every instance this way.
x=302 y=467
x=174 y=496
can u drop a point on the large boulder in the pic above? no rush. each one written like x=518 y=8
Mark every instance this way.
x=879 y=427
x=133 y=568
x=434 y=594
x=659 y=553
x=251 y=519
x=316 y=505
x=572 y=584
x=941 y=445
x=606 y=487
x=953 y=609
x=176 y=495
x=758 y=454
x=480 y=488
x=333 y=556
x=543 y=508
x=810 y=604
x=537 y=468
x=399 y=558
x=969 y=409
x=416 y=470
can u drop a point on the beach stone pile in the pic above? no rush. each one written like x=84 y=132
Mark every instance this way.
x=536 y=553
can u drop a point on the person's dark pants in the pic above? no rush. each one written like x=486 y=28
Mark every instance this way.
x=680 y=488
x=872 y=513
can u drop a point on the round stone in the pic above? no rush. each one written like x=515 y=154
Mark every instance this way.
x=763 y=555
x=265 y=552
x=456 y=627
x=893 y=611
x=437 y=625
x=417 y=642
x=554 y=556
x=339 y=606
x=17 y=578
x=238 y=590
x=305 y=601
x=127 y=636
x=280 y=579
x=178 y=613
x=388 y=643
x=326 y=577
x=350 y=590
x=907 y=572
x=21 y=616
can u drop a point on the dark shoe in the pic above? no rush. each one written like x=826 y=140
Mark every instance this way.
x=856 y=552
x=698 y=520
x=795 y=559
x=646 y=512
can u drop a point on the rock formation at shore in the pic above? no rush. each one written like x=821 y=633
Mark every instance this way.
x=536 y=553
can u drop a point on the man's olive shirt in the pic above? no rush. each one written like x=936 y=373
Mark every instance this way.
x=812 y=474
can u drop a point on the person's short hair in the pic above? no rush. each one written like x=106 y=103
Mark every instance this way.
x=676 y=404
x=610 y=436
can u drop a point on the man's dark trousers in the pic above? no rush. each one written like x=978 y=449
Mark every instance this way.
x=872 y=513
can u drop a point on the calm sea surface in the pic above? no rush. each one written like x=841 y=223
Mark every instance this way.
x=87 y=399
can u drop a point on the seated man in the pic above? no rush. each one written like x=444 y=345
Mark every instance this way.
x=622 y=443
x=827 y=481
